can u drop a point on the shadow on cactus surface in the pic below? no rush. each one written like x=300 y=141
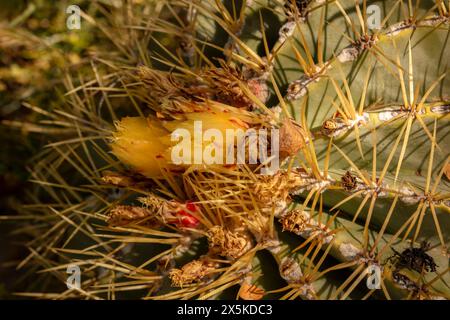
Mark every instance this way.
x=359 y=92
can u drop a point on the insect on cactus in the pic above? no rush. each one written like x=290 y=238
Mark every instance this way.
x=361 y=113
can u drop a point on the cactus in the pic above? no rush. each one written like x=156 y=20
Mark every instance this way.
x=358 y=209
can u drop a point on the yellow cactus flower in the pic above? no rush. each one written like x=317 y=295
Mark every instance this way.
x=138 y=142
x=146 y=144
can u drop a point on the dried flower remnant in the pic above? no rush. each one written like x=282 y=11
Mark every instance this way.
x=226 y=243
x=192 y=272
x=123 y=215
x=295 y=221
x=225 y=85
x=277 y=186
x=183 y=215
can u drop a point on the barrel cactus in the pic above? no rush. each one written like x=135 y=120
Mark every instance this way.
x=357 y=94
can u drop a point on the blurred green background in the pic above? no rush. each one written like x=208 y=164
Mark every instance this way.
x=35 y=45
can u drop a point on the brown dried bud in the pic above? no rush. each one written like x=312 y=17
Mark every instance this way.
x=124 y=215
x=301 y=223
x=295 y=221
x=158 y=205
x=171 y=92
x=292 y=138
x=191 y=272
x=173 y=212
x=227 y=243
x=225 y=82
x=277 y=186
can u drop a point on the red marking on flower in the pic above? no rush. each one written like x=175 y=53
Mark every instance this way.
x=191 y=207
x=187 y=220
